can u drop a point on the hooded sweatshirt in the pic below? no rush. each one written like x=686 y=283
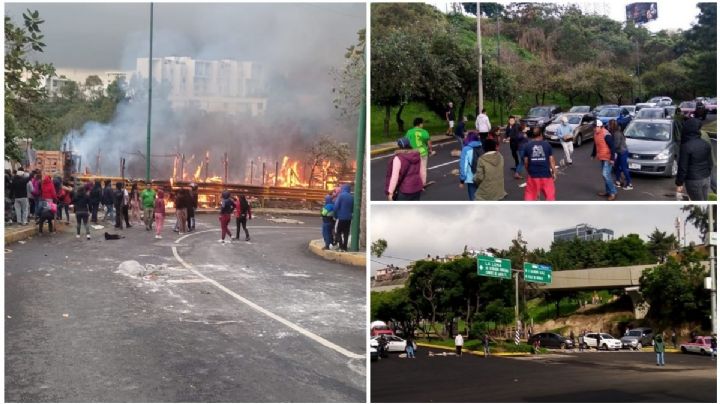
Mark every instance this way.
x=489 y=177
x=159 y=203
x=466 y=157
x=695 y=159
x=344 y=204
x=47 y=189
x=327 y=210
x=226 y=206
x=403 y=173
x=81 y=200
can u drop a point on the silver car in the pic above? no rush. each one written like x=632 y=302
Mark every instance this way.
x=637 y=338
x=653 y=146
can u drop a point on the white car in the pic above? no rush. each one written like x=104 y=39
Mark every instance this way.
x=394 y=343
x=630 y=108
x=607 y=341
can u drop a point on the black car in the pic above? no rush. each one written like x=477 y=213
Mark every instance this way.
x=540 y=116
x=552 y=340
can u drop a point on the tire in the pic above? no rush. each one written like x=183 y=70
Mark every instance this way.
x=605 y=347
x=702 y=352
x=578 y=140
x=683 y=349
x=639 y=346
x=562 y=345
x=671 y=170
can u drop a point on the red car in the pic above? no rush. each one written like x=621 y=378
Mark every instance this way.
x=701 y=345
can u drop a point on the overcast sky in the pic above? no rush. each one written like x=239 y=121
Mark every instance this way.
x=111 y=35
x=412 y=232
x=672 y=14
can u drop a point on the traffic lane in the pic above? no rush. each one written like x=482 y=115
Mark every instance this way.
x=580 y=377
x=580 y=181
x=149 y=339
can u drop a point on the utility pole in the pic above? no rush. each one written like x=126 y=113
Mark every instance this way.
x=263 y=176
x=360 y=158
x=517 y=307
x=499 y=99
x=150 y=84
x=277 y=171
x=225 y=162
x=252 y=165
x=479 y=43
x=713 y=270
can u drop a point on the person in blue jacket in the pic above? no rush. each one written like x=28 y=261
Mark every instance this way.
x=343 y=213
x=328 y=221
x=467 y=171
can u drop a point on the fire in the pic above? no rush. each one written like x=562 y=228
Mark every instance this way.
x=170 y=205
x=215 y=179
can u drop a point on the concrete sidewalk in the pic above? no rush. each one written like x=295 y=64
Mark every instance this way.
x=16 y=233
x=348 y=258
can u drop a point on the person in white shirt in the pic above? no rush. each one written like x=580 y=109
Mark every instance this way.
x=564 y=134
x=459 y=344
x=482 y=124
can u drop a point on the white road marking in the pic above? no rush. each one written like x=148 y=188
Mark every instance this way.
x=443 y=164
x=186 y=280
x=320 y=340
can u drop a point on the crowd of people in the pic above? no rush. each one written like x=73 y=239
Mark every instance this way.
x=481 y=166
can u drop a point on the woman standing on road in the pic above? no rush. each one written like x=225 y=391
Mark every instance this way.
x=521 y=141
x=95 y=198
x=159 y=210
x=621 y=161
x=660 y=350
x=242 y=215
x=226 y=208
x=135 y=204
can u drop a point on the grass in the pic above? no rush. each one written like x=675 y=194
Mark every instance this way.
x=495 y=346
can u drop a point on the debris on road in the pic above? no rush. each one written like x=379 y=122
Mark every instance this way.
x=288 y=221
x=66 y=315
x=22 y=241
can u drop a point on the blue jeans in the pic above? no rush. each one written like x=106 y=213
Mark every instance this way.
x=471 y=189
x=521 y=158
x=327 y=228
x=660 y=358
x=621 y=167
x=410 y=351
x=607 y=176
x=109 y=212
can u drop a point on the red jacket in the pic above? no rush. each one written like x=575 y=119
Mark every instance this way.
x=239 y=211
x=47 y=189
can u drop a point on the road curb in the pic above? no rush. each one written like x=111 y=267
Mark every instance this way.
x=29 y=232
x=266 y=211
x=348 y=258
x=477 y=353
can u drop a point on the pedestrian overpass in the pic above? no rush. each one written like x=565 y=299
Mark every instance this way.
x=627 y=278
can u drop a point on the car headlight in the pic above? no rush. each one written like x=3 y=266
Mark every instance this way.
x=663 y=155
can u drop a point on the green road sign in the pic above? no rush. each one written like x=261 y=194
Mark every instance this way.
x=495 y=267
x=537 y=273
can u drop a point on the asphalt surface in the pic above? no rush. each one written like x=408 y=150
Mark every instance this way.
x=575 y=377
x=580 y=181
x=82 y=326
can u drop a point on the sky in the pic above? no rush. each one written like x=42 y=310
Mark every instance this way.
x=412 y=232
x=111 y=35
x=672 y=14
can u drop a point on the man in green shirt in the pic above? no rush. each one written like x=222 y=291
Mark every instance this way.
x=147 y=197
x=660 y=350
x=420 y=140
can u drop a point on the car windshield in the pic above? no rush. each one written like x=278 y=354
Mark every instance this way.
x=687 y=104
x=654 y=99
x=651 y=113
x=606 y=336
x=538 y=111
x=572 y=119
x=634 y=334
x=630 y=108
x=580 y=109
x=648 y=131
x=712 y=101
x=609 y=112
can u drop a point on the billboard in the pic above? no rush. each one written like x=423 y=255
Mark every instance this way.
x=641 y=13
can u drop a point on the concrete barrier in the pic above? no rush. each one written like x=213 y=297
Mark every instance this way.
x=348 y=258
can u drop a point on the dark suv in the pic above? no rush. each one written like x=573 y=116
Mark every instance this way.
x=551 y=340
x=637 y=338
x=540 y=116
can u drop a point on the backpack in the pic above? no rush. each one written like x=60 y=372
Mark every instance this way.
x=476 y=153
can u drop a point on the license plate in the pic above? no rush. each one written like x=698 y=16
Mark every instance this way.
x=634 y=166
x=553 y=137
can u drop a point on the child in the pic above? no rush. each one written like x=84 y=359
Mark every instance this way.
x=159 y=210
x=226 y=208
x=328 y=221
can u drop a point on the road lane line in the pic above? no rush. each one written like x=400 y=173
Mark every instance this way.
x=443 y=164
x=320 y=340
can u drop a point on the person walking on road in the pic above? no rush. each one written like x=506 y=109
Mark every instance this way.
x=459 y=344
x=660 y=350
x=713 y=347
x=126 y=206
x=147 y=198
x=673 y=338
x=572 y=336
x=419 y=140
x=512 y=133
x=108 y=200
x=695 y=163
x=118 y=199
x=328 y=221
x=522 y=140
x=540 y=167
x=243 y=213
x=459 y=131
x=344 y=215
x=158 y=210
x=95 y=200
x=410 y=347
x=81 y=203
x=18 y=189
x=486 y=345
x=182 y=201
x=450 y=118
x=468 y=163
x=597 y=341
x=565 y=136
x=489 y=177
x=621 y=151
x=226 y=208
x=135 y=203
x=581 y=340
x=192 y=207
x=403 y=179
x=482 y=124
x=604 y=151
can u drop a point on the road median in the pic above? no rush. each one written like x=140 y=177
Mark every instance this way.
x=347 y=258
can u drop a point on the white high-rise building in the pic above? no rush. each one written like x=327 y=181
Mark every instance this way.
x=228 y=86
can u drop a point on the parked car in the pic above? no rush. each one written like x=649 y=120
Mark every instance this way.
x=574 y=120
x=651 y=113
x=551 y=340
x=637 y=338
x=373 y=349
x=580 y=108
x=664 y=103
x=631 y=109
x=607 y=341
x=540 y=116
x=379 y=327
x=653 y=146
x=691 y=107
x=601 y=107
x=621 y=115
x=700 y=345
x=660 y=99
x=711 y=105
x=394 y=343
x=642 y=105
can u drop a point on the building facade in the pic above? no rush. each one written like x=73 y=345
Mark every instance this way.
x=228 y=86
x=583 y=231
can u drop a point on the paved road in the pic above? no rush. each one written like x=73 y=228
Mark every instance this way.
x=579 y=182
x=261 y=321
x=576 y=377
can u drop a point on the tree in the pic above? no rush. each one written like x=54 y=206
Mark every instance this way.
x=628 y=250
x=660 y=244
x=23 y=81
x=698 y=217
x=378 y=247
x=490 y=10
x=702 y=61
x=349 y=88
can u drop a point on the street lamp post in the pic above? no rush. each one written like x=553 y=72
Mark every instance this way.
x=150 y=83
x=360 y=158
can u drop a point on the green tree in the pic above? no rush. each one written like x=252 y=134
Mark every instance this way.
x=698 y=217
x=702 y=62
x=349 y=88
x=660 y=244
x=378 y=247
x=23 y=81
x=628 y=250
x=93 y=81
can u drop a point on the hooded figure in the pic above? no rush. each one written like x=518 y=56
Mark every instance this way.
x=344 y=213
x=47 y=189
x=660 y=350
x=695 y=162
x=403 y=179
x=243 y=213
x=226 y=208
x=468 y=163
x=328 y=221
x=158 y=212
x=489 y=175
